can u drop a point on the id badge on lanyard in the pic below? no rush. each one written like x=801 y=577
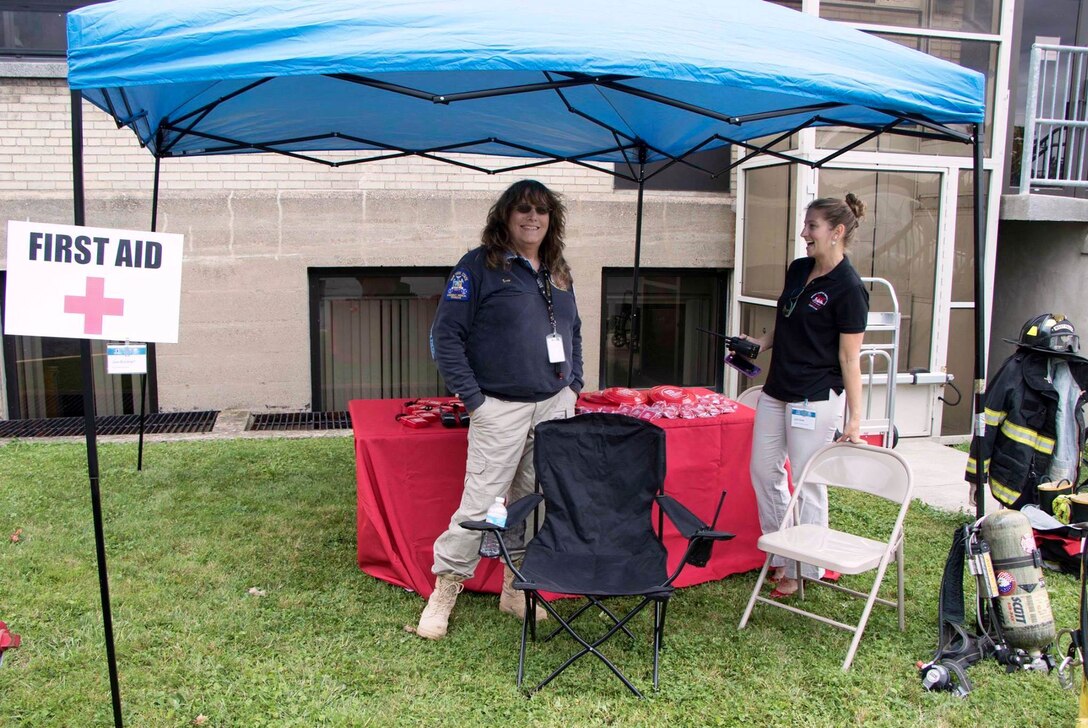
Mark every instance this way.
x=803 y=417
x=554 y=340
x=556 y=354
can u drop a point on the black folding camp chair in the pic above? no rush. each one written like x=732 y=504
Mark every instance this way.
x=600 y=475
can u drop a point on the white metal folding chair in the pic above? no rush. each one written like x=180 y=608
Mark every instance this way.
x=874 y=470
x=750 y=396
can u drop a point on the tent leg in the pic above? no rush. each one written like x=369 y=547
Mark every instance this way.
x=633 y=342
x=978 y=429
x=151 y=351
x=87 y=371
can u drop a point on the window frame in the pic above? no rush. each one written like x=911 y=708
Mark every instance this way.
x=722 y=279
x=315 y=275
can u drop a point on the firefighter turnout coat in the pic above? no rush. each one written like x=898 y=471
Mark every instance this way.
x=1022 y=426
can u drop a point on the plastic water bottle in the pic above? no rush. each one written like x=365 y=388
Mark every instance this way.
x=496 y=514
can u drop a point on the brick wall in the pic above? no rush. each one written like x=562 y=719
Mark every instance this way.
x=35 y=156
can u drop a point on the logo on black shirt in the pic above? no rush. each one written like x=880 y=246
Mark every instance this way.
x=818 y=301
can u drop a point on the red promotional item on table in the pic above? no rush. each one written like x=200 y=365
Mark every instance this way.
x=414 y=421
x=420 y=413
x=624 y=395
x=595 y=398
x=671 y=394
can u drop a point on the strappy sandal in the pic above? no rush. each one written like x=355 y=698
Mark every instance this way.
x=777 y=594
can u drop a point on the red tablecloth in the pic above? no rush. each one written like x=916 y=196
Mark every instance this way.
x=409 y=484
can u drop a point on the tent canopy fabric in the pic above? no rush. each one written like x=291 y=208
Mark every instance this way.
x=583 y=80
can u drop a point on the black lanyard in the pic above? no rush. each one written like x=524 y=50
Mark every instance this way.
x=544 y=283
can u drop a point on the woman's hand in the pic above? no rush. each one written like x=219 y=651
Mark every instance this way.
x=852 y=432
x=764 y=341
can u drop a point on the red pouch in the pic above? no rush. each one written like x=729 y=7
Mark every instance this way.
x=414 y=421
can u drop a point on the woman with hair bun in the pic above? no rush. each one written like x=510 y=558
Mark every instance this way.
x=815 y=363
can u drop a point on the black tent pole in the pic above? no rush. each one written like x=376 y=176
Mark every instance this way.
x=150 y=353
x=979 y=420
x=87 y=372
x=633 y=342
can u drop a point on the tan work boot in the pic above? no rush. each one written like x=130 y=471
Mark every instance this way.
x=512 y=601
x=436 y=615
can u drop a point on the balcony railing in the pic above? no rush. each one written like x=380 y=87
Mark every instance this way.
x=1056 y=124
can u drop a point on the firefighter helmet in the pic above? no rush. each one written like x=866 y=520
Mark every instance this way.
x=1049 y=332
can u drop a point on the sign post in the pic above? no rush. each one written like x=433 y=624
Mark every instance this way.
x=130 y=358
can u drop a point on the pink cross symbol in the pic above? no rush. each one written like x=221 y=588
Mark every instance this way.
x=94 y=305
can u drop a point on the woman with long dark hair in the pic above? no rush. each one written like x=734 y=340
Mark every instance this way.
x=507 y=340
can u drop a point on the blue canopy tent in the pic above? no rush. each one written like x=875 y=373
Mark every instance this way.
x=581 y=81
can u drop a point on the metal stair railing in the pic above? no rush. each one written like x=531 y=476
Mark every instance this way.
x=1056 y=119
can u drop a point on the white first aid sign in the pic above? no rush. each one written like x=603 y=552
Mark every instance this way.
x=78 y=282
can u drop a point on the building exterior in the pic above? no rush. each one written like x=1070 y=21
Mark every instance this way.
x=305 y=286
x=1042 y=250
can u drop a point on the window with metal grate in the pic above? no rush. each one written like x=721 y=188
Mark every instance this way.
x=161 y=422
x=300 y=421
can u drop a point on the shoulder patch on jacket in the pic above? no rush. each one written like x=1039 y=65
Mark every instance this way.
x=458 y=288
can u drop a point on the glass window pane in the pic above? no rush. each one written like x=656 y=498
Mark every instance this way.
x=48 y=382
x=963 y=262
x=897 y=241
x=666 y=344
x=968 y=17
x=977 y=55
x=373 y=333
x=768 y=229
x=705 y=171
x=783 y=144
x=32 y=33
x=961 y=364
x=1049 y=22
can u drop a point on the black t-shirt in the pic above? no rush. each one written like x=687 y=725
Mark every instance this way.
x=805 y=354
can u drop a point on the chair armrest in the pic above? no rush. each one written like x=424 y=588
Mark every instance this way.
x=700 y=537
x=686 y=522
x=518 y=511
x=481 y=526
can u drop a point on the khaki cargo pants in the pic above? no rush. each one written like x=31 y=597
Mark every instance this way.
x=499 y=464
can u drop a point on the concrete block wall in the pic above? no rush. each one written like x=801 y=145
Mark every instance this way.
x=254 y=224
x=1041 y=267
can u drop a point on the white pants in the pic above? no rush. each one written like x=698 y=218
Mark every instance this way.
x=499 y=465
x=773 y=439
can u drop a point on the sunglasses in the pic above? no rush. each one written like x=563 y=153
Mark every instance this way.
x=791 y=303
x=525 y=208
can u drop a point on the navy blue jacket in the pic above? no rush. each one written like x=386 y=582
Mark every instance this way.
x=488 y=336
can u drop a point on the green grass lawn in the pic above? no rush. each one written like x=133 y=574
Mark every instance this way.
x=325 y=644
